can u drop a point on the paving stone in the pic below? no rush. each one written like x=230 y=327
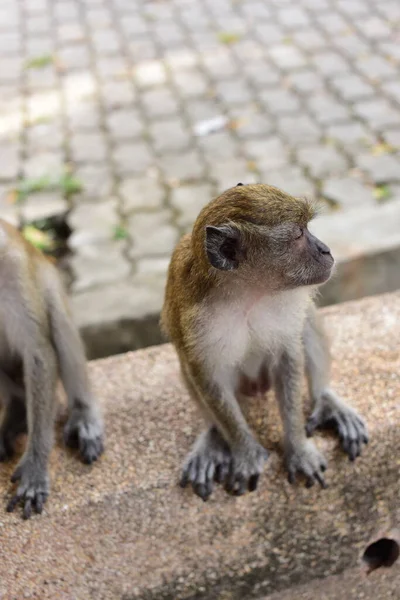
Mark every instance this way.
x=134 y=25
x=140 y=49
x=93 y=226
x=381 y=169
x=169 y=135
x=190 y=83
x=298 y=129
x=99 y=17
x=44 y=164
x=152 y=266
x=43 y=206
x=280 y=102
x=262 y=74
x=220 y=65
x=75 y=56
x=306 y=81
x=322 y=161
x=106 y=42
x=112 y=68
x=188 y=200
x=98 y=265
x=251 y=124
x=330 y=63
x=375 y=28
x=124 y=124
x=152 y=234
x=43 y=105
x=140 y=193
x=38 y=46
x=88 y=147
x=10 y=43
x=291 y=180
x=352 y=87
x=377 y=112
x=159 y=102
x=84 y=117
x=117 y=94
x=219 y=146
x=45 y=136
x=287 y=57
x=150 y=73
x=181 y=59
x=271 y=32
x=96 y=179
x=392 y=88
x=269 y=154
x=38 y=79
x=9 y=160
x=132 y=157
x=349 y=134
x=38 y=24
x=70 y=32
x=230 y=172
x=327 y=110
x=293 y=18
x=309 y=39
x=392 y=137
x=182 y=167
x=376 y=67
x=348 y=193
x=233 y=92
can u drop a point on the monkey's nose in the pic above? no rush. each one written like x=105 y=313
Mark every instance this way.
x=323 y=248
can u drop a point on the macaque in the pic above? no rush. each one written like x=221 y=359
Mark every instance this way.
x=239 y=309
x=39 y=342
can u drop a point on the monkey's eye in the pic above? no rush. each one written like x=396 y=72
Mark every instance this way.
x=299 y=233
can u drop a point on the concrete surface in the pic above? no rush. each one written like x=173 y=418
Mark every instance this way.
x=124 y=529
x=118 y=91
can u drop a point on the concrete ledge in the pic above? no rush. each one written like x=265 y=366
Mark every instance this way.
x=124 y=529
x=366 y=243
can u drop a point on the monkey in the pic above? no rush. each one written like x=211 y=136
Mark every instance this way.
x=239 y=308
x=39 y=342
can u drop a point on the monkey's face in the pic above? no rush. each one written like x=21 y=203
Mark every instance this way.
x=282 y=256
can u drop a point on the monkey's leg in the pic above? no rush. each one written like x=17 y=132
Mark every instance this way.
x=14 y=415
x=328 y=408
x=302 y=456
x=247 y=455
x=40 y=373
x=209 y=460
x=84 y=428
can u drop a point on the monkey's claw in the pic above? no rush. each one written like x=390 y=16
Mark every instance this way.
x=245 y=470
x=32 y=492
x=306 y=460
x=348 y=424
x=86 y=434
x=207 y=463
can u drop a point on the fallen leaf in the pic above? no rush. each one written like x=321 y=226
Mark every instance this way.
x=229 y=37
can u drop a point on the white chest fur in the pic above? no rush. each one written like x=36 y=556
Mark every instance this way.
x=239 y=334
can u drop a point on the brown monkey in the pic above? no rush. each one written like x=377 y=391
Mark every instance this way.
x=38 y=341
x=239 y=309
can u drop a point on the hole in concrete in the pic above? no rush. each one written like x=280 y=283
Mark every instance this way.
x=382 y=553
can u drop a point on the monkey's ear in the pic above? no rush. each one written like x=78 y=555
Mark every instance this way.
x=239 y=184
x=222 y=247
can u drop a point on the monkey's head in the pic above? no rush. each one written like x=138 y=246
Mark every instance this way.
x=261 y=234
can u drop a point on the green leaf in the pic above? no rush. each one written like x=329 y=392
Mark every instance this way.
x=228 y=37
x=66 y=183
x=42 y=240
x=382 y=192
x=39 y=62
x=120 y=233
x=70 y=185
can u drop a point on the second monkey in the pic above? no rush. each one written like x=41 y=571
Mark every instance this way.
x=239 y=310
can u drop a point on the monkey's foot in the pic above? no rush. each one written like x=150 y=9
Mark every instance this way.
x=208 y=461
x=32 y=491
x=85 y=432
x=245 y=469
x=349 y=425
x=305 y=459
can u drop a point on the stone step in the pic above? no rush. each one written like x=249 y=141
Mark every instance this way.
x=366 y=243
x=124 y=529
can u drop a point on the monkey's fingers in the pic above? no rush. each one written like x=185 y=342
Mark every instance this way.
x=27 y=508
x=221 y=472
x=253 y=483
x=203 y=490
x=13 y=502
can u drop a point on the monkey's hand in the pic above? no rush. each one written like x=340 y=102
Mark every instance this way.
x=332 y=411
x=305 y=459
x=84 y=430
x=246 y=466
x=33 y=489
x=207 y=462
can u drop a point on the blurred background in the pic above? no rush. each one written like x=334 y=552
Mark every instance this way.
x=120 y=119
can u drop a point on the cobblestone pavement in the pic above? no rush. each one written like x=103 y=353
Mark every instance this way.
x=121 y=92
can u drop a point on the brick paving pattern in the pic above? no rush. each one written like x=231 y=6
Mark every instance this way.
x=119 y=91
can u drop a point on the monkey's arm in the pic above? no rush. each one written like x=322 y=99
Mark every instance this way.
x=40 y=373
x=328 y=407
x=301 y=456
x=222 y=410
